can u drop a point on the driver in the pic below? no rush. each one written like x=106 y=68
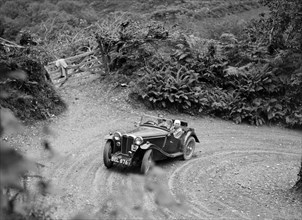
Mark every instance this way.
x=176 y=129
x=161 y=122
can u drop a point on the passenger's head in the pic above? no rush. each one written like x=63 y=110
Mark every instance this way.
x=177 y=123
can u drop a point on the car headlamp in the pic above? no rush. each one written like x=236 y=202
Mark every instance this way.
x=138 y=140
x=117 y=136
x=134 y=147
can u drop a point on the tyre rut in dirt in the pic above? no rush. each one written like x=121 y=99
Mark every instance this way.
x=216 y=172
x=189 y=148
x=107 y=154
x=146 y=162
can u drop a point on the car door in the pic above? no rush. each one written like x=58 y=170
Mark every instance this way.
x=158 y=141
x=172 y=144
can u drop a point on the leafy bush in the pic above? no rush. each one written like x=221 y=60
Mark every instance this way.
x=172 y=84
x=254 y=93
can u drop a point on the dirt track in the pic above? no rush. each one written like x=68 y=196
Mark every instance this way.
x=239 y=171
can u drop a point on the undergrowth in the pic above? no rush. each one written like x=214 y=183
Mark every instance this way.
x=32 y=99
x=235 y=79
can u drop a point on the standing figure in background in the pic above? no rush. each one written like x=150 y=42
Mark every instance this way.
x=61 y=63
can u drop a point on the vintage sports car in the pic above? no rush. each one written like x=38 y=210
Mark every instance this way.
x=152 y=140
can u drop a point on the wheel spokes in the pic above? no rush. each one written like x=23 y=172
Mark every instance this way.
x=189 y=148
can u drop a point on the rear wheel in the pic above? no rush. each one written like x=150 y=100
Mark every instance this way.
x=107 y=153
x=189 y=148
x=146 y=162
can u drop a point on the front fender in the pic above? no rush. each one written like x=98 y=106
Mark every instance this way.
x=109 y=137
x=146 y=146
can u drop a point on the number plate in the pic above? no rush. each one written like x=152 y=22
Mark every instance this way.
x=124 y=161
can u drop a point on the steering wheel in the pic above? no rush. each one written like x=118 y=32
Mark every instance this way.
x=150 y=122
x=164 y=126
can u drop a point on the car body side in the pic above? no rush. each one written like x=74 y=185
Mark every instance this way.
x=160 y=140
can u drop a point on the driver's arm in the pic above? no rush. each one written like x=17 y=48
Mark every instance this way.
x=177 y=133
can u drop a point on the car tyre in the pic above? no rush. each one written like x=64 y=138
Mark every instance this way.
x=107 y=154
x=147 y=162
x=189 y=148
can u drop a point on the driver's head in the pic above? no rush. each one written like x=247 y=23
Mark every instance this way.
x=160 y=118
x=176 y=123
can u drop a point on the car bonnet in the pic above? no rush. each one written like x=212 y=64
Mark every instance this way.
x=147 y=132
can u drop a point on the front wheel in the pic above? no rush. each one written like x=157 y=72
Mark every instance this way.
x=107 y=153
x=146 y=162
x=189 y=148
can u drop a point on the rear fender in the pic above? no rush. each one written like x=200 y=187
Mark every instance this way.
x=189 y=134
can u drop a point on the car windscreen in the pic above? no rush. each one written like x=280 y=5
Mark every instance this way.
x=159 y=122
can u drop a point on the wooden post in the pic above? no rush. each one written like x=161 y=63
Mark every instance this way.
x=47 y=76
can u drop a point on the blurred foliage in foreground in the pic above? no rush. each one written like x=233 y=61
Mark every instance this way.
x=15 y=198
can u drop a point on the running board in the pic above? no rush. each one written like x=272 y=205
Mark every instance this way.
x=177 y=154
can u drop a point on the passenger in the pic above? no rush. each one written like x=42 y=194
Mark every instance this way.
x=176 y=129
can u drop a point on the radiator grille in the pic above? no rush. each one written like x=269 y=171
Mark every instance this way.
x=127 y=141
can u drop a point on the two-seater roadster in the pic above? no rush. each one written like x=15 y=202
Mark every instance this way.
x=152 y=140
